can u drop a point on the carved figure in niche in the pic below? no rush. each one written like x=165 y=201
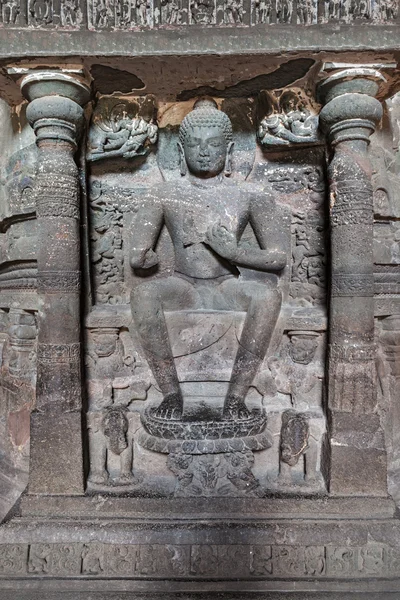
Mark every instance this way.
x=334 y=9
x=41 y=11
x=304 y=12
x=10 y=11
x=112 y=365
x=114 y=426
x=360 y=9
x=385 y=10
x=142 y=10
x=70 y=13
x=295 y=372
x=123 y=14
x=170 y=12
x=293 y=124
x=203 y=11
x=284 y=11
x=112 y=388
x=206 y=216
x=263 y=10
x=297 y=444
x=102 y=13
x=233 y=12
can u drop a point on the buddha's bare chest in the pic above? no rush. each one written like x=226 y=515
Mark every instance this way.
x=189 y=218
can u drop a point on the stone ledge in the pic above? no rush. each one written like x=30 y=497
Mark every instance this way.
x=212 y=509
x=187 y=41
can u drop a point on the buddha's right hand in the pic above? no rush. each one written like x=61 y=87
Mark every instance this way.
x=144 y=260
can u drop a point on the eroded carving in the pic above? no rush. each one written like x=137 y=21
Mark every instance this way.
x=10 y=11
x=227 y=474
x=197 y=561
x=113 y=388
x=107 y=254
x=289 y=120
x=120 y=133
x=202 y=12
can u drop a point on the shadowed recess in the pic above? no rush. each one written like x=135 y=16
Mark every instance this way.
x=285 y=75
x=106 y=78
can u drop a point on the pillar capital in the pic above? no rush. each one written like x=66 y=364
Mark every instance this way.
x=44 y=83
x=55 y=109
x=351 y=110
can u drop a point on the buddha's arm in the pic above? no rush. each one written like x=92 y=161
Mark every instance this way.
x=269 y=229
x=145 y=231
x=224 y=243
x=260 y=259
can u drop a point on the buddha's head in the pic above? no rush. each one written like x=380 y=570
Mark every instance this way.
x=205 y=140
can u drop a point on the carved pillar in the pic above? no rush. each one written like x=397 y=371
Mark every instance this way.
x=56 y=115
x=349 y=117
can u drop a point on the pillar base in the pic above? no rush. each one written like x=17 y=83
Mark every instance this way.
x=56 y=454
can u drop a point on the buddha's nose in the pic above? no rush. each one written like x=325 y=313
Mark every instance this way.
x=203 y=148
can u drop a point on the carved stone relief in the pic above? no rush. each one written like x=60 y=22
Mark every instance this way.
x=143 y=561
x=289 y=120
x=127 y=14
x=196 y=273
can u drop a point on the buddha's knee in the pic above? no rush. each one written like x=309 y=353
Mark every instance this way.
x=145 y=301
x=264 y=295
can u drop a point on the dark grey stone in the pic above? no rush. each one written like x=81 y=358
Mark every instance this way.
x=199 y=321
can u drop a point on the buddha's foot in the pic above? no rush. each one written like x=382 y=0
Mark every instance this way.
x=235 y=408
x=98 y=477
x=170 y=408
x=125 y=479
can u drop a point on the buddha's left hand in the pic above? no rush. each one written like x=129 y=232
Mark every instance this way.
x=222 y=241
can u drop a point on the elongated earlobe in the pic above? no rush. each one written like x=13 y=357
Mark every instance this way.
x=228 y=160
x=182 y=160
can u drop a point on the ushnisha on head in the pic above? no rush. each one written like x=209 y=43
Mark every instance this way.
x=205 y=140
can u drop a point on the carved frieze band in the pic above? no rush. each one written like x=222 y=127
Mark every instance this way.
x=57 y=196
x=354 y=353
x=59 y=353
x=126 y=14
x=53 y=281
x=353 y=204
x=198 y=561
x=354 y=284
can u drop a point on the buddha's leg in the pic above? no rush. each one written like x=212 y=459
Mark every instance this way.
x=148 y=302
x=262 y=305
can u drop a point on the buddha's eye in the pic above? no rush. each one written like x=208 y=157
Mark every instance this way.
x=193 y=142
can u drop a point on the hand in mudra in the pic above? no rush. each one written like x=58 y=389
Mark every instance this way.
x=222 y=241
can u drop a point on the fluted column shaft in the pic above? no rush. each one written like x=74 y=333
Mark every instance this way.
x=56 y=429
x=349 y=117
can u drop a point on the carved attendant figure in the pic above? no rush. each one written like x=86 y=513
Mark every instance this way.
x=206 y=215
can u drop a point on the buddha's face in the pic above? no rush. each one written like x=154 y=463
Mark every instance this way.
x=205 y=150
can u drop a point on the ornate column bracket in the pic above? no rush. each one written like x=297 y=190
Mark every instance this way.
x=55 y=112
x=349 y=116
